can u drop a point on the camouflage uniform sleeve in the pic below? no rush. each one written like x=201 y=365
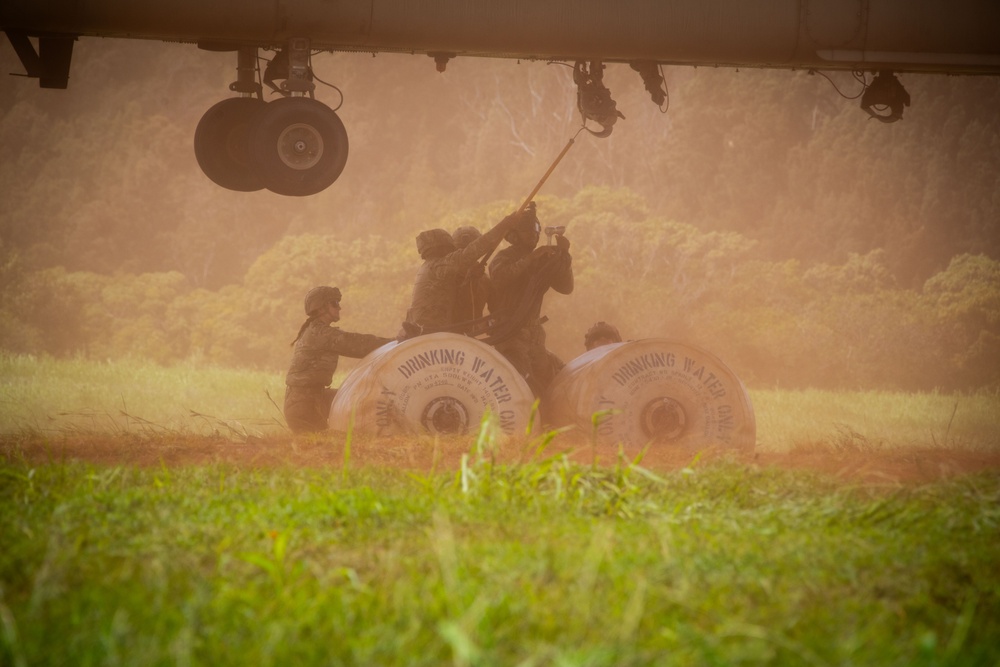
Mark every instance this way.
x=354 y=345
x=507 y=269
x=471 y=253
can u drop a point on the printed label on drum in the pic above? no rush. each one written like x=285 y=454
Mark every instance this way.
x=669 y=397
x=633 y=372
x=446 y=390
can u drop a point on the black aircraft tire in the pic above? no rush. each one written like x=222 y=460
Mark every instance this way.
x=298 y=145
x=221 y=144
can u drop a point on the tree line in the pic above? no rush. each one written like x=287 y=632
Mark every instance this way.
x=775 y=323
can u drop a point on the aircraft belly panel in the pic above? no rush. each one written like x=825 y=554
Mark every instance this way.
x=215 y=20
x=58 y=16
x=182 y=20
x=247 y=21
x=961 y=36
x=834 y=23
x=680 y=30
x=963 y=26
x=331 y=19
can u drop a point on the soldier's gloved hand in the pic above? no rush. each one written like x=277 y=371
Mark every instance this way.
x=562 y=243
x=542 y=252
x=409 y=330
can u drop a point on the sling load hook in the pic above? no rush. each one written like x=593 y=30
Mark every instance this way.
x=593 y=98
x=884 y=91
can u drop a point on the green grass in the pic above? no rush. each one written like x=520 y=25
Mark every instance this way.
x=54 y=397
x=875 y=419
x=58 y=396
x=547 y=562
x=542 y=563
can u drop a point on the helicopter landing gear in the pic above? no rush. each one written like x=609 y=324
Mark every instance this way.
x=298 y=146
x=293 y=146
x=222 y=144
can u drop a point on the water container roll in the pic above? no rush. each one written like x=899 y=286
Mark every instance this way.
x=657 y=391
x=441 y=383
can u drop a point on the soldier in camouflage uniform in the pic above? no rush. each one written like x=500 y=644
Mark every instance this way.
x=474 y=289
x=520 y=275
x=317 y=349
x=465 y=235
x=435 y=303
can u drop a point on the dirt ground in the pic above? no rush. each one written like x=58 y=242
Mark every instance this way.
x=901 y=466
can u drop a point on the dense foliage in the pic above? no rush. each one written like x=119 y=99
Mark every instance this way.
x=826 y=325
x=762 y=217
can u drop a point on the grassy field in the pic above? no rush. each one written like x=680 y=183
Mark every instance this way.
x=542 y=563
x=64 y=397
x=545 y=561
x=59 y=396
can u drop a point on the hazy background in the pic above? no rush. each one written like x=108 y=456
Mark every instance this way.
x=763 y=217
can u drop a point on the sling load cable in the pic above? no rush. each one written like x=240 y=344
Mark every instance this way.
x=523 y=207
x=594 y=101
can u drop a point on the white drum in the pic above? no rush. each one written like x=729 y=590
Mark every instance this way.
x=656 y=391
x=441 y=383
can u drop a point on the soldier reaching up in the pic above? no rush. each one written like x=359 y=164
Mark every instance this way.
x=520 y=276
x=435 y=305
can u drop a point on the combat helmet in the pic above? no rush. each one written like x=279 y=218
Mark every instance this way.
x=526 y=227
x=432 y=241
x=465 y=235
x=318 y=297
x=601 y=330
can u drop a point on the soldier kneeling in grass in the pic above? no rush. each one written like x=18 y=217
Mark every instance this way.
x=317 y=349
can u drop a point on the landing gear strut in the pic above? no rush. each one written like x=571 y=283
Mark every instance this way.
x=294 y=146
